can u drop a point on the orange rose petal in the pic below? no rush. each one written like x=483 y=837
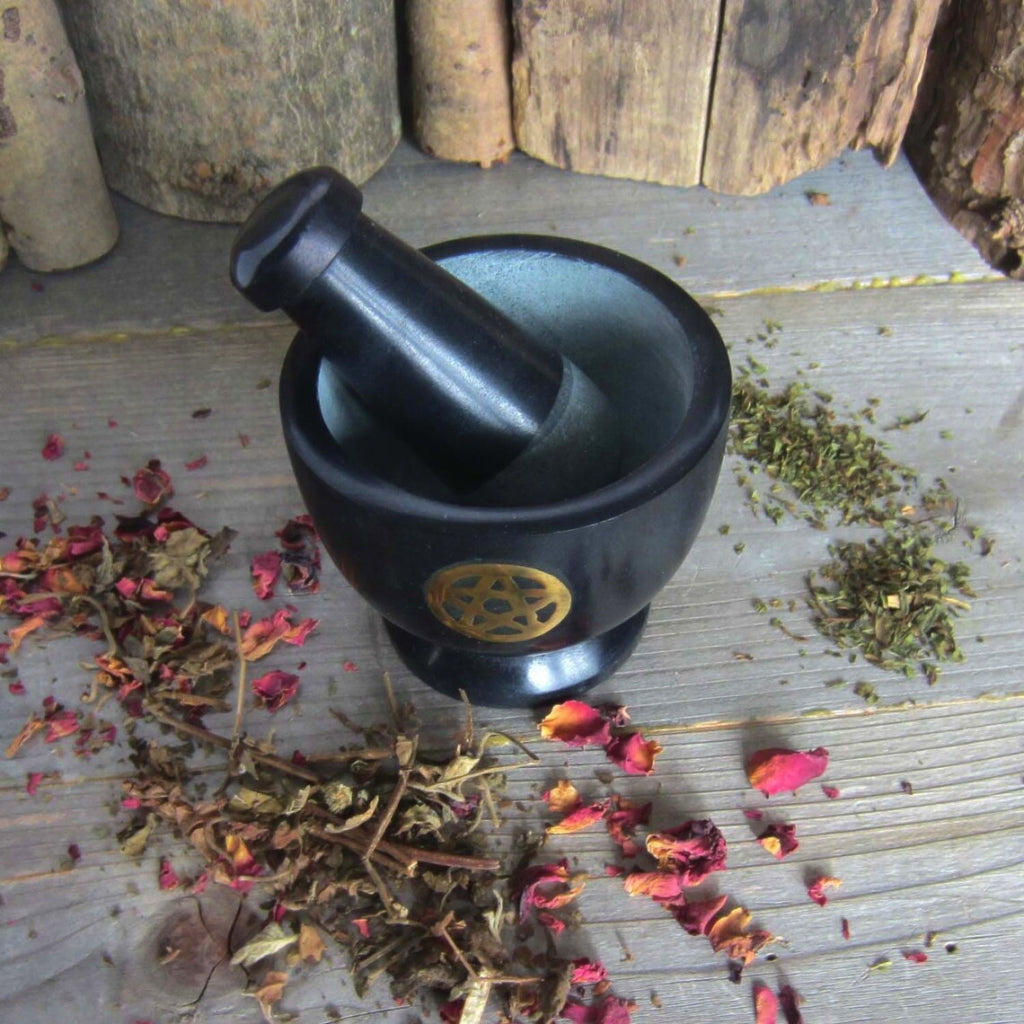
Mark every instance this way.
x=562 y=798
x=575 y=723
x=633 y=754
x=580 y=819
x=816 y=890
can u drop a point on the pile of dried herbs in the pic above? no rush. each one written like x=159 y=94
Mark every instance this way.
x=891 y=598
x=818 y=463
x=377 y=844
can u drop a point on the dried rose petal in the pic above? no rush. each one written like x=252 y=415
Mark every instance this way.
x=580 y=819
x=555 y=925
x=546 y=887
x=576 y=724
x=362 y=925
x=915 y=956
x=60 y=724
x=779 y=770
x=614 y=870
x=790 y=1000
x=265 y=569
x=752 y=813
x=275 y=689
x=32 y=780
x=562 y=798
x=451 y=1012
x=260 y=638
x=831 y=792
x=54 y=448
x=695 y=917
x=729 y=934
x=75 y=853
x=779 y=840
x=693 y=850
x=197 y=463
x=661 y=886
x=588 y=972
x=816 y=890
x=151 y=484
x=16 y=689
x=622 y=822
x=766 y=1005
x=633 y=754
x=168 y=876
x=610 y=1010
x=845 y=927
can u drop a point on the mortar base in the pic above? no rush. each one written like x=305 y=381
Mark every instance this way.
x=518 y=680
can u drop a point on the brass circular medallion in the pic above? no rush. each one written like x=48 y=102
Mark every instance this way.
x=497 y=602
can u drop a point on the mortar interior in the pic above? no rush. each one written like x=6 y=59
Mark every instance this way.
x=626 y=326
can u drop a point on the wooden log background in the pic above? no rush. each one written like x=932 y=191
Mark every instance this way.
x=200 y=108
x=967 y=139
x=614 y=87
x=797 y=83
x=459 y=66
x=54 y=207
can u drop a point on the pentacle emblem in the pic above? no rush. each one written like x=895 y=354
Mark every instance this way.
x=497 y=602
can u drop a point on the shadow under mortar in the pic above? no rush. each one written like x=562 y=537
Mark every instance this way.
x=525 y=605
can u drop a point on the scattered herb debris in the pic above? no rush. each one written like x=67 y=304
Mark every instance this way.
x=892 y=600
x=825 y=464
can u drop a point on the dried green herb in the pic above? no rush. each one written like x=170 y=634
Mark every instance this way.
x=893 y=600
x=826 y=464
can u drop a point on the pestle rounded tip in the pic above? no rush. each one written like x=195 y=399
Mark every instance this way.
x=292 y=235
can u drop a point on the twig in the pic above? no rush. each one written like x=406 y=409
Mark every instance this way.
x=198 y=732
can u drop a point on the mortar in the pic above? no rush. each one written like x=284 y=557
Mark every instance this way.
x=534 y=603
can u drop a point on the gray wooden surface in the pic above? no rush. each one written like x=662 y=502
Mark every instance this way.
x=154 y=332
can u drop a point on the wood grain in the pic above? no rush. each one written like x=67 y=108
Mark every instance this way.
x=879 y=230
x=788 y=99
x=616 y=87
x=199 y=109
x=945 y=858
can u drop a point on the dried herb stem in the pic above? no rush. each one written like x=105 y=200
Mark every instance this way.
x=198 y=732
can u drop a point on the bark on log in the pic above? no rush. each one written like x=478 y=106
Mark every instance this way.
x=614 y=87
x=201 y=107
x=966 y=140
x=796 y=83
x=461 y=93
x=54 y=204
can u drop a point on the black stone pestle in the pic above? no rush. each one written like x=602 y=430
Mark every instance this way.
x=502 y=419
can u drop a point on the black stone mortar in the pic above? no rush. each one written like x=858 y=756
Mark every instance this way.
x=525 y=604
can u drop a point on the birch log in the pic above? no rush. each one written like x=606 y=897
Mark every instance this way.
x=966 y=140
x=54 y=205
x=461 y=94
x=797 y=83
x=201 y=107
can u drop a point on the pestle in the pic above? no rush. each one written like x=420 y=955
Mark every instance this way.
x=501 y=418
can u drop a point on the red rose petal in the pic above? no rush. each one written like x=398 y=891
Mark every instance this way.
x=275 y=689
x=816 y=890
x=766 y=1005
x=54 y=447
x=779 y=840
x=780 y=770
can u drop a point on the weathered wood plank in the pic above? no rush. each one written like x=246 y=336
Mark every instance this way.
x=619 y=87
x=797 y=83
x=879 y=226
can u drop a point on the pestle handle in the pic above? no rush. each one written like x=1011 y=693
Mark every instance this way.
x=459 y=381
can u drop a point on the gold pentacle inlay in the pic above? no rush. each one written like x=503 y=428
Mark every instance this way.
x=498 y=602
